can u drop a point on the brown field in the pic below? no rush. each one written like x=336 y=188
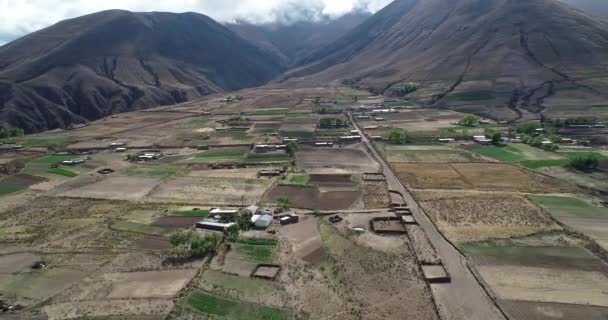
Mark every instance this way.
x=312 y=198
x=529 y=310
x=477 y=176
x=116 y=188
x=316 y=160
x=375 y=195
x=472 y=217
x=211 y=191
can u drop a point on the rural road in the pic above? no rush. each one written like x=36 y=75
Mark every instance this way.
x=463 y=298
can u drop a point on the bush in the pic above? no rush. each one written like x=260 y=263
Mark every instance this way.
x=585 y=162
x=398 y=136
x=470 y=120
x=193 y=245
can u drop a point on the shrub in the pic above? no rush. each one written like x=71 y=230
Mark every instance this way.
x=193 y=245
x=470 y=120
x=585 y=162
x=398 y=136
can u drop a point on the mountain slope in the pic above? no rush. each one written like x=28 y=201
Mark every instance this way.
x=596 y=7
x=114 y=61
x=516 y=48
x=293 y=42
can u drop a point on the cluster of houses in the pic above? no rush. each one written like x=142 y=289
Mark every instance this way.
x=261 y=218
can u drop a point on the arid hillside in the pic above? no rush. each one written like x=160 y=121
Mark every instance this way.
x=511 y=54
x=115 y=61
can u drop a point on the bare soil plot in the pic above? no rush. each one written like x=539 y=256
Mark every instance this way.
x=547 y=285
x=107 y=309
x=305 y=240
x=33 y=287
x=212 y=190
x=345 y=160
x=176 y=222
x=17 y=262
x=375 y=195
x=153 y=284
x=245 y=256
x=153 y=243
x=435 y=155
x=528 y=310
x=312 y=198
x=331 y=180
x=116 y=188
x=479 y=176
x=430 y=176
x=466 y=217
x=380 y=284
x=244 y=173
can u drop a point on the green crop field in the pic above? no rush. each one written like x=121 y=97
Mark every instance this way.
x=191 y=213
x=155 y=172
x=301 y=179
x=63 y=172
x=256 y=250
x=570 y=205
x=51 y=159
x=271 y=112
x=8 y=188
x=234 y=310
x=506 y=154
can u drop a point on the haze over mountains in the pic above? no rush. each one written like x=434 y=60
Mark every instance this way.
x=515 y=52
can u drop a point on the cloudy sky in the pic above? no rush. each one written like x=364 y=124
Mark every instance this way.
x=19 y=17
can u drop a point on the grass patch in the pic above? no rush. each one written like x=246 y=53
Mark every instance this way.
x=301 y=179
x=258 y=241
x=538 y=164
x=8 y=188
x=256 y=250
x=192 y=213
x=243 y=137
x=140 y=228
x=155 y=172
x=270 y=112
x=63 y=172
x=51 y=159
x=576 y=206
x=505 y=154
x=221 y=154
x=230 y=309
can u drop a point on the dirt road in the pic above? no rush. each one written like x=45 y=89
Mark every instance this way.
x=463 y=298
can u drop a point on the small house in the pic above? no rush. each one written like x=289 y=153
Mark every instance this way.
x=121 y=149
x=262 y=221
x=214 y=225
x=117 y=144
x=446 y=140
x=251 y=209
x=324 y=144
x=218 y=211
x=351 y=138
x=72 y=162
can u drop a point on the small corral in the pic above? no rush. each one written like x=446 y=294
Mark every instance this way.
x=387 y=225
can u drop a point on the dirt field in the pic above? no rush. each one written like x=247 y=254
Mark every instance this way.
x=312 y=198
x=211 y=191
x=346 y=160
x=116 y=188
x=527 y=310
x=477 y=176
x=469 y=217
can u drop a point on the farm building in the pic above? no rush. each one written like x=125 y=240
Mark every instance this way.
x=121 y=149
x=446 y=140
x=287 y=140
x=251 y=209
x=218 y=211
x=381 y=111
x=261 y=221
x=289 y=219
x=214 y=225
x=324 y=144
x=350 y=138
x=117 y=144
x=72 y=162
x=270 y=173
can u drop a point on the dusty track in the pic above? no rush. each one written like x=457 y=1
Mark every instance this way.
x=463 y=298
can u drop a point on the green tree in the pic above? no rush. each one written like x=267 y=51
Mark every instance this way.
x=585 y=162
x=232 y=233
x=317 y=100
x=3 y=133
x=192 y=244
x=469 y=120
x=292 y=148
x=284 y=203
x=398 y=136
x=528 y=128
x=16 y=132
x=244 y=221
x=132 y=158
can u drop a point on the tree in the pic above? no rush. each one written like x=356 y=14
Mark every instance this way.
x=292 y=148
x=398 y=136
x=192 y=244
x=244 y=221
x=232 y=233
x=16 y=132
x=317 y=100
x=528 y=128
x=132 y=158
x=3 y=133
x=586 y=162
x=284 y=203
x=470 y=120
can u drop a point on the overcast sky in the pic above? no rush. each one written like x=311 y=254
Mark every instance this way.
x=19 y=17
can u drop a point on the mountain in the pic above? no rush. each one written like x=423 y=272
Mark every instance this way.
x=114 y=61
x=510 y=54
x=291 y=42
x=596 y=7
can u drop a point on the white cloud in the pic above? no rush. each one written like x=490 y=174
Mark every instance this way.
x=19 y=17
